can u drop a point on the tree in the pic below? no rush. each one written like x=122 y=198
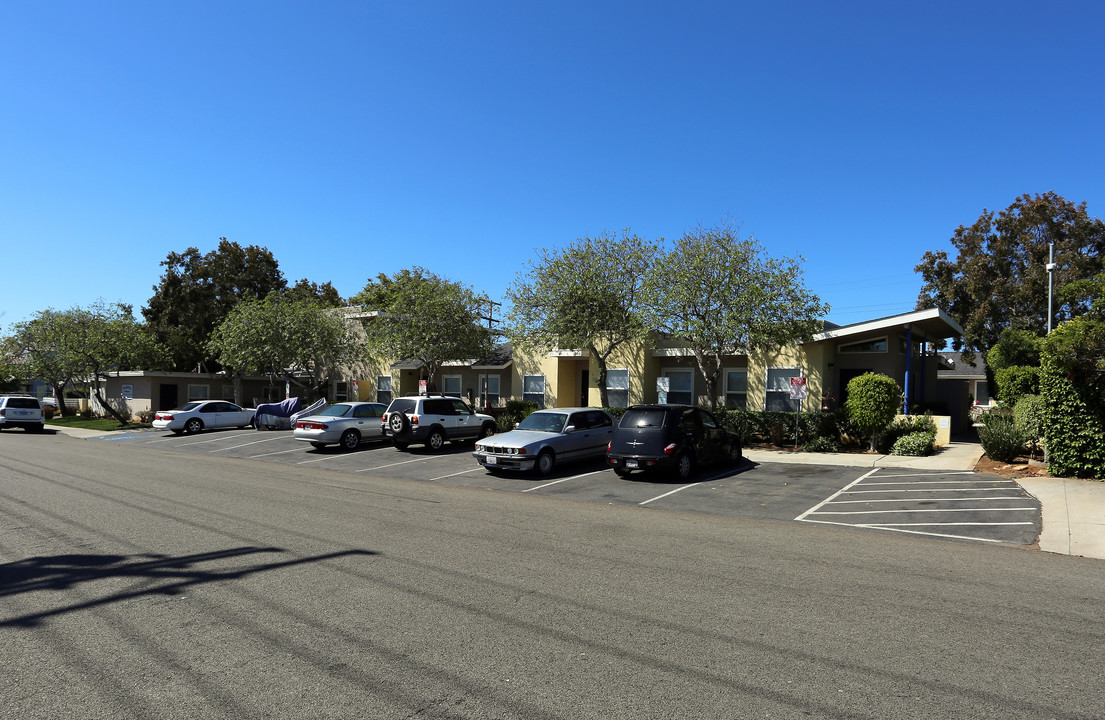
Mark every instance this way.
x=84 y=345
x=424 y=317
x=587 y=296
x=286 y=338
x=999 y=278
x=1013 y=365
x=873 y=401
x=722 y=295
x=197 y=292
x=325 y=293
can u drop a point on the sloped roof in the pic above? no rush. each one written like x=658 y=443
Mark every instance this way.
x=933 y=324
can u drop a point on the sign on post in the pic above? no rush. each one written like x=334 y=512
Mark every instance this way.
x=797 y=392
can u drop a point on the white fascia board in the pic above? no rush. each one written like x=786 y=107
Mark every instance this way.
x=566 y=353
x=889 y=322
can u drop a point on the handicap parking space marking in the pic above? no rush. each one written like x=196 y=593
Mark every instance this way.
x=945 y=489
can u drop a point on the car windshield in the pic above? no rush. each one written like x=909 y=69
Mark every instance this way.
x=643 y=418
x=543 y=422
x=339 y=410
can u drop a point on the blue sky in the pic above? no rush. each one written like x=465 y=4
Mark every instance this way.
x=354 y=138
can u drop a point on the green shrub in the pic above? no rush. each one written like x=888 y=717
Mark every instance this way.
x=517 y=410
x=1075 y=428
x=617 y=412
x=1015 y=382
x=873 y=401
x=1029 y=417
x=822 y=444
x=1000 y=438
x=741 y=423
x=776 y=426
x=914 y=444
x=902 y=427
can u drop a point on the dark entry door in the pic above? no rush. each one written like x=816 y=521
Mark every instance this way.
x=584 y=381
x=167 y=396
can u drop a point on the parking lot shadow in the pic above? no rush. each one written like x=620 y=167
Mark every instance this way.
x=164 y=575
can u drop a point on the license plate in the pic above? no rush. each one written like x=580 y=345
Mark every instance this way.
x=491 y=460
x=631 y=463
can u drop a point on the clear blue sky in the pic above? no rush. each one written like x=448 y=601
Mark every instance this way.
x=353 y=138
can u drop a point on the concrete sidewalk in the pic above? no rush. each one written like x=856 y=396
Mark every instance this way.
x=1073 y=511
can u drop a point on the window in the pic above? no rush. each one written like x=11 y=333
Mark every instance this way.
x=982 y=393
x=341 y=391
x=617 y=387
x=228 y=393
x=874 y=345
x=680 y=386
x=778 y=389
x=199 y=392
x=450 y=385
x=533 y=389
x=489 y=391
x=736 y=389
x=383 y=389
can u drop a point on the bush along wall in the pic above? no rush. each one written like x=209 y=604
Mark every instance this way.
x=1075 y=433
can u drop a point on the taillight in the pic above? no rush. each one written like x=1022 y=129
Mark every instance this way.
x=609 y=445
x=414 y=421
x=670 y=449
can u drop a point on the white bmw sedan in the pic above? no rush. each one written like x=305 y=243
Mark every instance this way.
x=203 y=415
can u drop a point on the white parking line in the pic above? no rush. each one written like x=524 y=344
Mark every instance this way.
x=919 y=510
x=381 y=467
x=281 y=452
x=837 y=494
x=462 y=472
x=557 y=482
x=232 y=447
x=907 y=500
x=930 y=490
x=214 y=439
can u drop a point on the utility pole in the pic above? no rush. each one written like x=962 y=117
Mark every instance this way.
x=1050 y=281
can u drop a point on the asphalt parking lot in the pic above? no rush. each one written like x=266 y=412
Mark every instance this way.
x=961 y=506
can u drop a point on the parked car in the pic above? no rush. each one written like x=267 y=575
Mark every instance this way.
x=23 y=411
x=669 y=438
x=546 y=438
x=347 y=424
x=433 y=419
x=203 y=415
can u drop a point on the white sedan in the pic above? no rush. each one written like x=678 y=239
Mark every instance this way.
x=203 y=415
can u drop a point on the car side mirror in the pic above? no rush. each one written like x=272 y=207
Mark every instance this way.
x=570 y=428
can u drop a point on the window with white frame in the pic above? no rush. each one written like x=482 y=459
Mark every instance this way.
x=383 y=389
x=533 y=389
x=617 y=387
x=736 y=389
x=680 y=386
x=874 y=345
x=778 y=389
x=451 y=385
x=489 y=391
x=982 y=393
x=199 y=392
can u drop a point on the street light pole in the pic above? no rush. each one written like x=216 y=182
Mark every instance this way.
x=1050 y=281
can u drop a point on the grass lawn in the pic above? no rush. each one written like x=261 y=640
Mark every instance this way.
x=105 y=424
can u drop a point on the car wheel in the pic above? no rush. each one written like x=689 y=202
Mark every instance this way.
x=545 y=463
x=318 y=445
x=735 y=454
x=436 y=440
x=621 y=472
x=684 y=465
x=350 y=439
x=193 y=426
x=399 y=423
x=38 y=428
x=487 y=429
x=401 y=445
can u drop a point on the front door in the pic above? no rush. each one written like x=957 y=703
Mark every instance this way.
x=584 y=381
x=167 y=396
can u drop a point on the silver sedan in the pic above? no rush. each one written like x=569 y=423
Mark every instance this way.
x=347 y=424
x=547 y=438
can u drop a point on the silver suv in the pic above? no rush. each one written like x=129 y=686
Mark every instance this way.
x=21 y=411
x=433 y=419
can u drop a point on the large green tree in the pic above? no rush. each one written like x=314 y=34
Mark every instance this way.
x=84 y=344
x=292 y=339
x=424 y=317
x=586 y=296
x=998 y=278
x=198 y=291
x=723 y=295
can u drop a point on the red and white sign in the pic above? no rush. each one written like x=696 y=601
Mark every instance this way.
x=798 y=388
